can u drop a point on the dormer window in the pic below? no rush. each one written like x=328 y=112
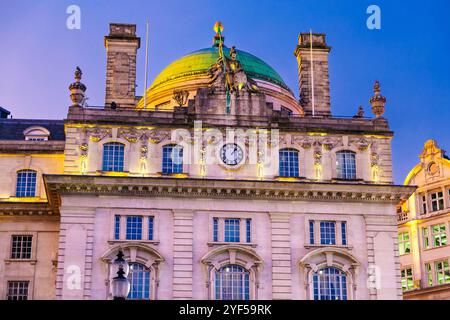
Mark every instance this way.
x=36 y=134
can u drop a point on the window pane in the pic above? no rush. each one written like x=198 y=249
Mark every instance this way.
x=311 y=232
x=17 y=290
x=113 y=156
x=215 y=229
x=232 y=227
x=26 y=183
x=232 y=282
x=344 y=233
x=288 y=163
x=21 y=247
x=329 y=284
x=150 y=228
x=327 y=232
x=248 y=229
x=139 y=278
x=116 y=227
x=346 y=165
x=134 y=228
x=172 y=161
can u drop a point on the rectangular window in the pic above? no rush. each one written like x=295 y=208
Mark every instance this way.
x=328 y=232
x=407 y=279
x=429 y=273
x=404 y=244
x=426 y=238
x=21 y=247
x=442 y=272
x=424 y=204
x=150 y=228
x=437 y=201
x=26 y=183
x=215 y=229
x=134 y=228
x=311 y=232
x=439 y=235
x=248 y=230
x=232 y=227
x=344 y=233
x=116 y=227
x=17 y=290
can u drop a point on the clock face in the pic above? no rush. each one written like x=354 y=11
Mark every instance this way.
x=231 y=154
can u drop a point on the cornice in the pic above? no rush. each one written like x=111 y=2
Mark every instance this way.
x=57 y=185
x=10 y=208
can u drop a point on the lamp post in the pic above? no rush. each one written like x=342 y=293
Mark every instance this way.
x=120 y=284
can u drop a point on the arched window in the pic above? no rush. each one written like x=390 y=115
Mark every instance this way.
x=232 y=282
x=329 y=284
x=113 y=155
x=288 y=163
x=139 y=277
x=172 y=161
x=36 y=133
x=346 y=164
x=26 y=183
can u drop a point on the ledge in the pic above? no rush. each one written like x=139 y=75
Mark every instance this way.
x=313 y=246
x=217 y=243
x=154 y=242
x=30 y=261
x=57 y=185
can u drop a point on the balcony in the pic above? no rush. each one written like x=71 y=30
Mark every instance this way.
x=402 y=217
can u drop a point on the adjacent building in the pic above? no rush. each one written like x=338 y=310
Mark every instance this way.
x=217 y=184
x=424 y=222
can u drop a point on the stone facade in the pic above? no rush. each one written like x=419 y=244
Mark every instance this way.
x=427 y=209
x=184 y=242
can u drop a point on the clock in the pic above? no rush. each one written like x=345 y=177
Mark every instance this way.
x=231 y=154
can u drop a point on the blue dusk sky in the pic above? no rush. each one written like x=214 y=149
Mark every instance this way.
x=410 y=55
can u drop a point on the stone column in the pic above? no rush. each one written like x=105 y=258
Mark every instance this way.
x=281 y=256
x=383 y=257
x=182 y=254
x=76 y=237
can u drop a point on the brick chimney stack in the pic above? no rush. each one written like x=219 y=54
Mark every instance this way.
x=121 y=48
x=320 y=52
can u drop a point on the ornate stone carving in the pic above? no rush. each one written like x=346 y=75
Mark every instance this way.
x=77 y=89
x=181 y=97
x=360 y=143
x=317 y=158
x=97 y=134
x=83 y=150
x=374 y=159
x=129 y=134
x=156 y=136
x=378 y=102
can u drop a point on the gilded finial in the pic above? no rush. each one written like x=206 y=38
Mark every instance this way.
x=378 y=102
x=218 y=38
x=218 y=27
x=78 y=74
x=77 y=89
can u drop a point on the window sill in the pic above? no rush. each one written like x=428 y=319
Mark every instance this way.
x=217 y=243
x=24 y=199
x=310 y=246
x=280 y=178
x=174 y=175
x=154 y=242
x=113 y=173
x=434 y=248
x=30 y=261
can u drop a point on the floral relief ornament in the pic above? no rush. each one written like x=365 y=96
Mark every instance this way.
x=97 y=134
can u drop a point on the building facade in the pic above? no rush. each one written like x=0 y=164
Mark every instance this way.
x=424 y=228
x=217 y=184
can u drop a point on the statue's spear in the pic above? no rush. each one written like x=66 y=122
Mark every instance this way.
x=218 y=28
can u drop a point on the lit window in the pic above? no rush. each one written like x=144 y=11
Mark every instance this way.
x=139 y=278
x=426 y=238
x=344 y=233
x=311 y=232
x=437 y=201
x=248 y=228
x=442 y=272
x=113 y=155
x=116 y=227
x=232 y=282
x=424 y=203
x=288 y=163
x=172 y=161
x=21 y=247
x=429 y=273
x=346 y=165
x=404 y=244
x=215 y=229
x=407 y=279
x=150 y=228
x=26 y=183
x=232 y=227
x=439 y=235
x=329 y=284
x=134 y=228
x=17 y=290
x=328 y=232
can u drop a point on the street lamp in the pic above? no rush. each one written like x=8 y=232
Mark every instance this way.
x=120 y=284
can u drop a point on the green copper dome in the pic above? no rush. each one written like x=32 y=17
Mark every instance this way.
x=198 y=63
